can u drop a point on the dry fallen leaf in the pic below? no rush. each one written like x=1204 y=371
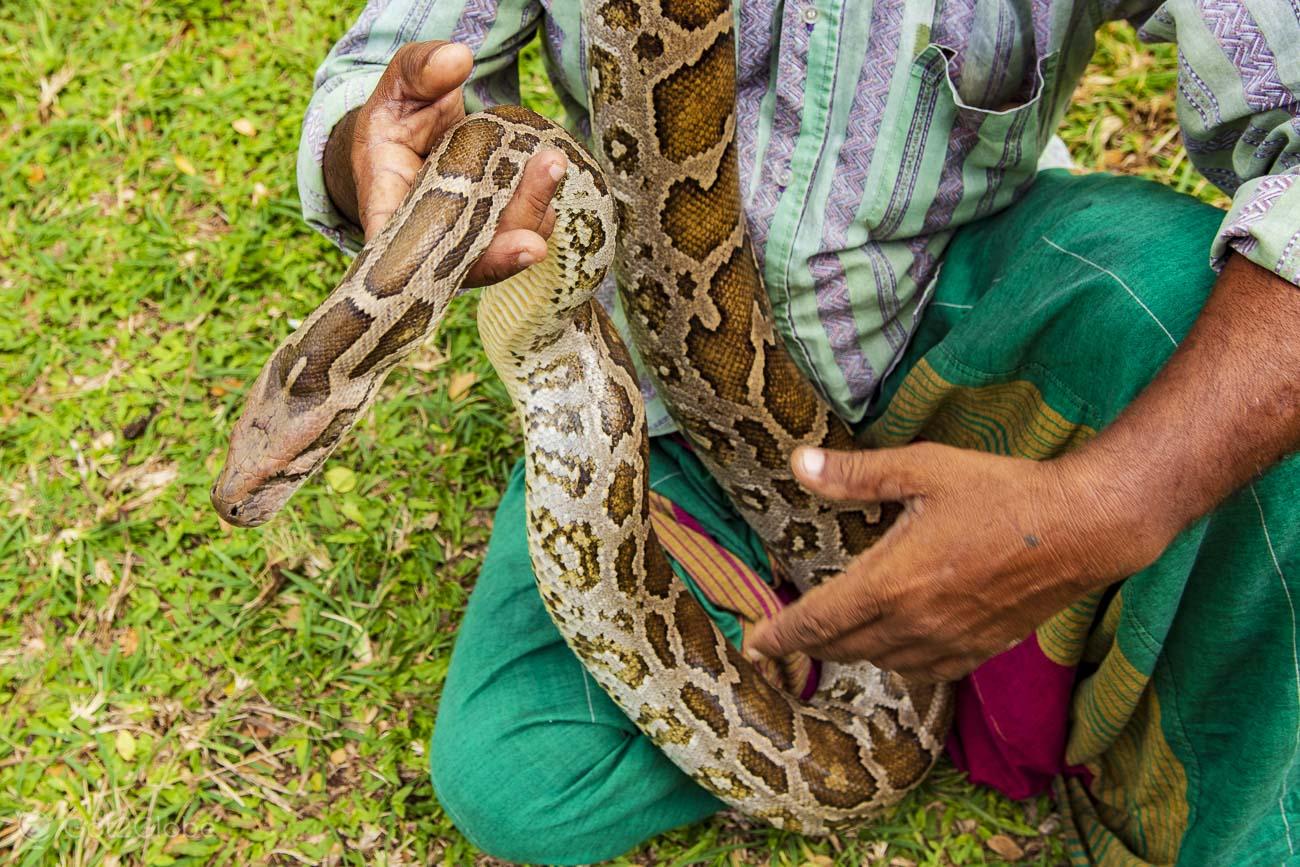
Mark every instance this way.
x=1107 y=127
x=236 y=50
x=874 y=851
x=362 y=650
x=184 y=166
x=50 y=88
x=1005 y=846
x=128 y=640
x=35 y=174
x=244 y=126
x=103 y=571
x=461 y=384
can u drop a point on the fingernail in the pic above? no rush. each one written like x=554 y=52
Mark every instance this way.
x=557 y=172
x=813 y=462
x=526 y=258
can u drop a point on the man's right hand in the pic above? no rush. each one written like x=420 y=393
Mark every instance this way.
x=375 y=152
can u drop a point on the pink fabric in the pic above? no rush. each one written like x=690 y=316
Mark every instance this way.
x=1011 y=722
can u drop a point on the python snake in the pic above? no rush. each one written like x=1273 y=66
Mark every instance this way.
x=663 y=206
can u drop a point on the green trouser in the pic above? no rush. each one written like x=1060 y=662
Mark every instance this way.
x=1182 y=688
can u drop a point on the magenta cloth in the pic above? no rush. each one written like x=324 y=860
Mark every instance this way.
x=1011 y=721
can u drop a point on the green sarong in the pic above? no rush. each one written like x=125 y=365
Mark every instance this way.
x=1183 y=698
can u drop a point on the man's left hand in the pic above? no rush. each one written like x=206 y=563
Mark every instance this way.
x=986 y=549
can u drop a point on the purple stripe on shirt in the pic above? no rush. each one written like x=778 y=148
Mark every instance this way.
x=787 y=115
x=476 y=18
x=1266 y=194
x=355 y=39
x=1244 y=44
x=852 y=167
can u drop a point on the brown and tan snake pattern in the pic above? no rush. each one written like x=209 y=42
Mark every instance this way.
x=662 y=92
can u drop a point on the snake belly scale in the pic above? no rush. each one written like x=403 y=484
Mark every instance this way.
x=661 y=204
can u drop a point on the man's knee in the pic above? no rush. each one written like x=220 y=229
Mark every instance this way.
x=504 y=794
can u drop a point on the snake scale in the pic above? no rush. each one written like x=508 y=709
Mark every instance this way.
x=661 y=205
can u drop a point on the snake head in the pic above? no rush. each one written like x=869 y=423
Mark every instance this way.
x=290 y=425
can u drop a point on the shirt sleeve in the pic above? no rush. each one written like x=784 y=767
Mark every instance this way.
x=1239 y=109
x=494 y=30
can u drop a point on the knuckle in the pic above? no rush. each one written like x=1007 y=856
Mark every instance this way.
x=912 y=629
x=863 y=605
x=804 y=632
x=400 y=68
x=927 y=623
x=409 y=58
x=538 y=201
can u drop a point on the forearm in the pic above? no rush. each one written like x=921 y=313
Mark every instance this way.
x=1225 y=407
x=339 y=180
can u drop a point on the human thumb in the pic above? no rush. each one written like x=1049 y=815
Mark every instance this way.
x=867 y=475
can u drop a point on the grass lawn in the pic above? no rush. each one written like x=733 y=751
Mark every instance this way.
x=177 y=692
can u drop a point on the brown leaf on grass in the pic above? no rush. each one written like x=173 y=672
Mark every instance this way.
x=148 y=481
x=51 y=86
x=149 y=476
x=238 y=49
x=426 y=358
x=461 y=383
x=138 y=425
x=291 y=617
x=128 y=640
x=35 y=173
x=1107 y=127
x=270 y=587
x=244 y=126
x=103 y=572
x=1005 y=846
x=874 y=851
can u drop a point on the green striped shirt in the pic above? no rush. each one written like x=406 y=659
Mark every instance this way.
x=870 y=129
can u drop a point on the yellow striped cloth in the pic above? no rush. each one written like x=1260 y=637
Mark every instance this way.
x=729 y=584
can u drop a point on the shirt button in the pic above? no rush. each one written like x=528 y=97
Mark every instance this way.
x=785 y=178
x=809 y=15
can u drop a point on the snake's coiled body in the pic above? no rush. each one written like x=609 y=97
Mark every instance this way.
x=662 y=93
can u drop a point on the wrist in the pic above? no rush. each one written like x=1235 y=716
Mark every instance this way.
x=340 y=181
x=1124 y=510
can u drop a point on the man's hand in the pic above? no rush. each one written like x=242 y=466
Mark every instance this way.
x=987 y=547
x=375 y=152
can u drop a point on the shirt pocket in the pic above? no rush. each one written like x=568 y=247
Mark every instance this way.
x=941 y=162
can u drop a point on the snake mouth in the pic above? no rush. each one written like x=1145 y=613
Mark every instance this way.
x=249 y=492
x=259 y=504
